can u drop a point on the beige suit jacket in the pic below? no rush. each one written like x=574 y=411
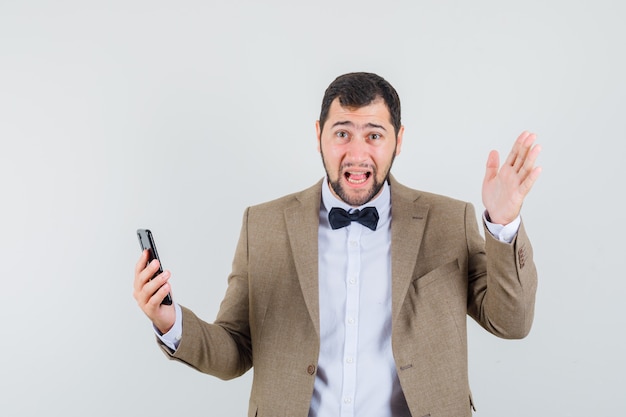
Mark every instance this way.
x=442 y=270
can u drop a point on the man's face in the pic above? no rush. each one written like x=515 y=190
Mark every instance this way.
x=358 y=146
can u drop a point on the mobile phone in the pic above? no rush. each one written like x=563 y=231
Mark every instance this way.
x=146 y=240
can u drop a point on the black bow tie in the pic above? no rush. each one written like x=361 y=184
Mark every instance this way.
x=339 y=218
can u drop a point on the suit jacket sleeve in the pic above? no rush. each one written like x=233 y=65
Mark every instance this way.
x=223 y=348
x=501 y=295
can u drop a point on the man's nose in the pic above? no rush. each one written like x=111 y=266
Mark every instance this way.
x=357 y=149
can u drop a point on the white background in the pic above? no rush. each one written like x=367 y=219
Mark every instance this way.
x=175 y=116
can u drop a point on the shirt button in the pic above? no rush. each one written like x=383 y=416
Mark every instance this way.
x=347 y=400
x=352 y=281
x=350 y=320
x=310 y=369
x=349 y=360
x=354 y=243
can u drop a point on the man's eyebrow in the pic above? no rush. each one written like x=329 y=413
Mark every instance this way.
x=349 y=123
x=375 y=126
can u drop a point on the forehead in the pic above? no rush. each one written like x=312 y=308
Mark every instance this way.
x=376 y=111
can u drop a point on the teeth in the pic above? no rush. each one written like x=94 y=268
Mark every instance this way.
x=357 y=177
x=357 y=182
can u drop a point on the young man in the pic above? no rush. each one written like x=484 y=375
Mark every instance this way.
x=350 y=298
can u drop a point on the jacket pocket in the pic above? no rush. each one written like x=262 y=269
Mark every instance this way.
x=444 y=270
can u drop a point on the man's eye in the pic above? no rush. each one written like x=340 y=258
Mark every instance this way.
x=342 y=134
x=375 y=136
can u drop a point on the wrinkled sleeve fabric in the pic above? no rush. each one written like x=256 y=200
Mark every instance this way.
x=222 y=348
x=502 y=280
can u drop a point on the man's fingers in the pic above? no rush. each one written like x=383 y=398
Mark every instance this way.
x=145 y=274
x=534 y=153
x=143 y=287
x=493 y=165
x=520 y=149
x=529 y=181
x=145 y=294
x=161 y=292
x=510 y=160
x=141 y=262
x=523 y=151
x=529 y=162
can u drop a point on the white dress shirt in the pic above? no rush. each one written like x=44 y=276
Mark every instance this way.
x=356 y=371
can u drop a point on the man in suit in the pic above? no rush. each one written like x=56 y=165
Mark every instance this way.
x=350 y=298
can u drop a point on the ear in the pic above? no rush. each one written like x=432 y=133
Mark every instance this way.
x=399 y=140
x=318 y=132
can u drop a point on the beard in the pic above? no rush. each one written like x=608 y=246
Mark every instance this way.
x=357 y=200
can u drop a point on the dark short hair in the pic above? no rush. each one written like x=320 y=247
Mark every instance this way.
x=358 y=89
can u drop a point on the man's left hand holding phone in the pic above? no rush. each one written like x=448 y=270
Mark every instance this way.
x=151 y=288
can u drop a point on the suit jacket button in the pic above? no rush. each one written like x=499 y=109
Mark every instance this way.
x=521 y=256
x=311 y=369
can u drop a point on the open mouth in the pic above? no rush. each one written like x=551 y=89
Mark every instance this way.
x=357 y=178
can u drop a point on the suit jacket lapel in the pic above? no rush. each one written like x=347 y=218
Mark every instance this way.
x=407 y=229
x=408 y=220
x=302 y=221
